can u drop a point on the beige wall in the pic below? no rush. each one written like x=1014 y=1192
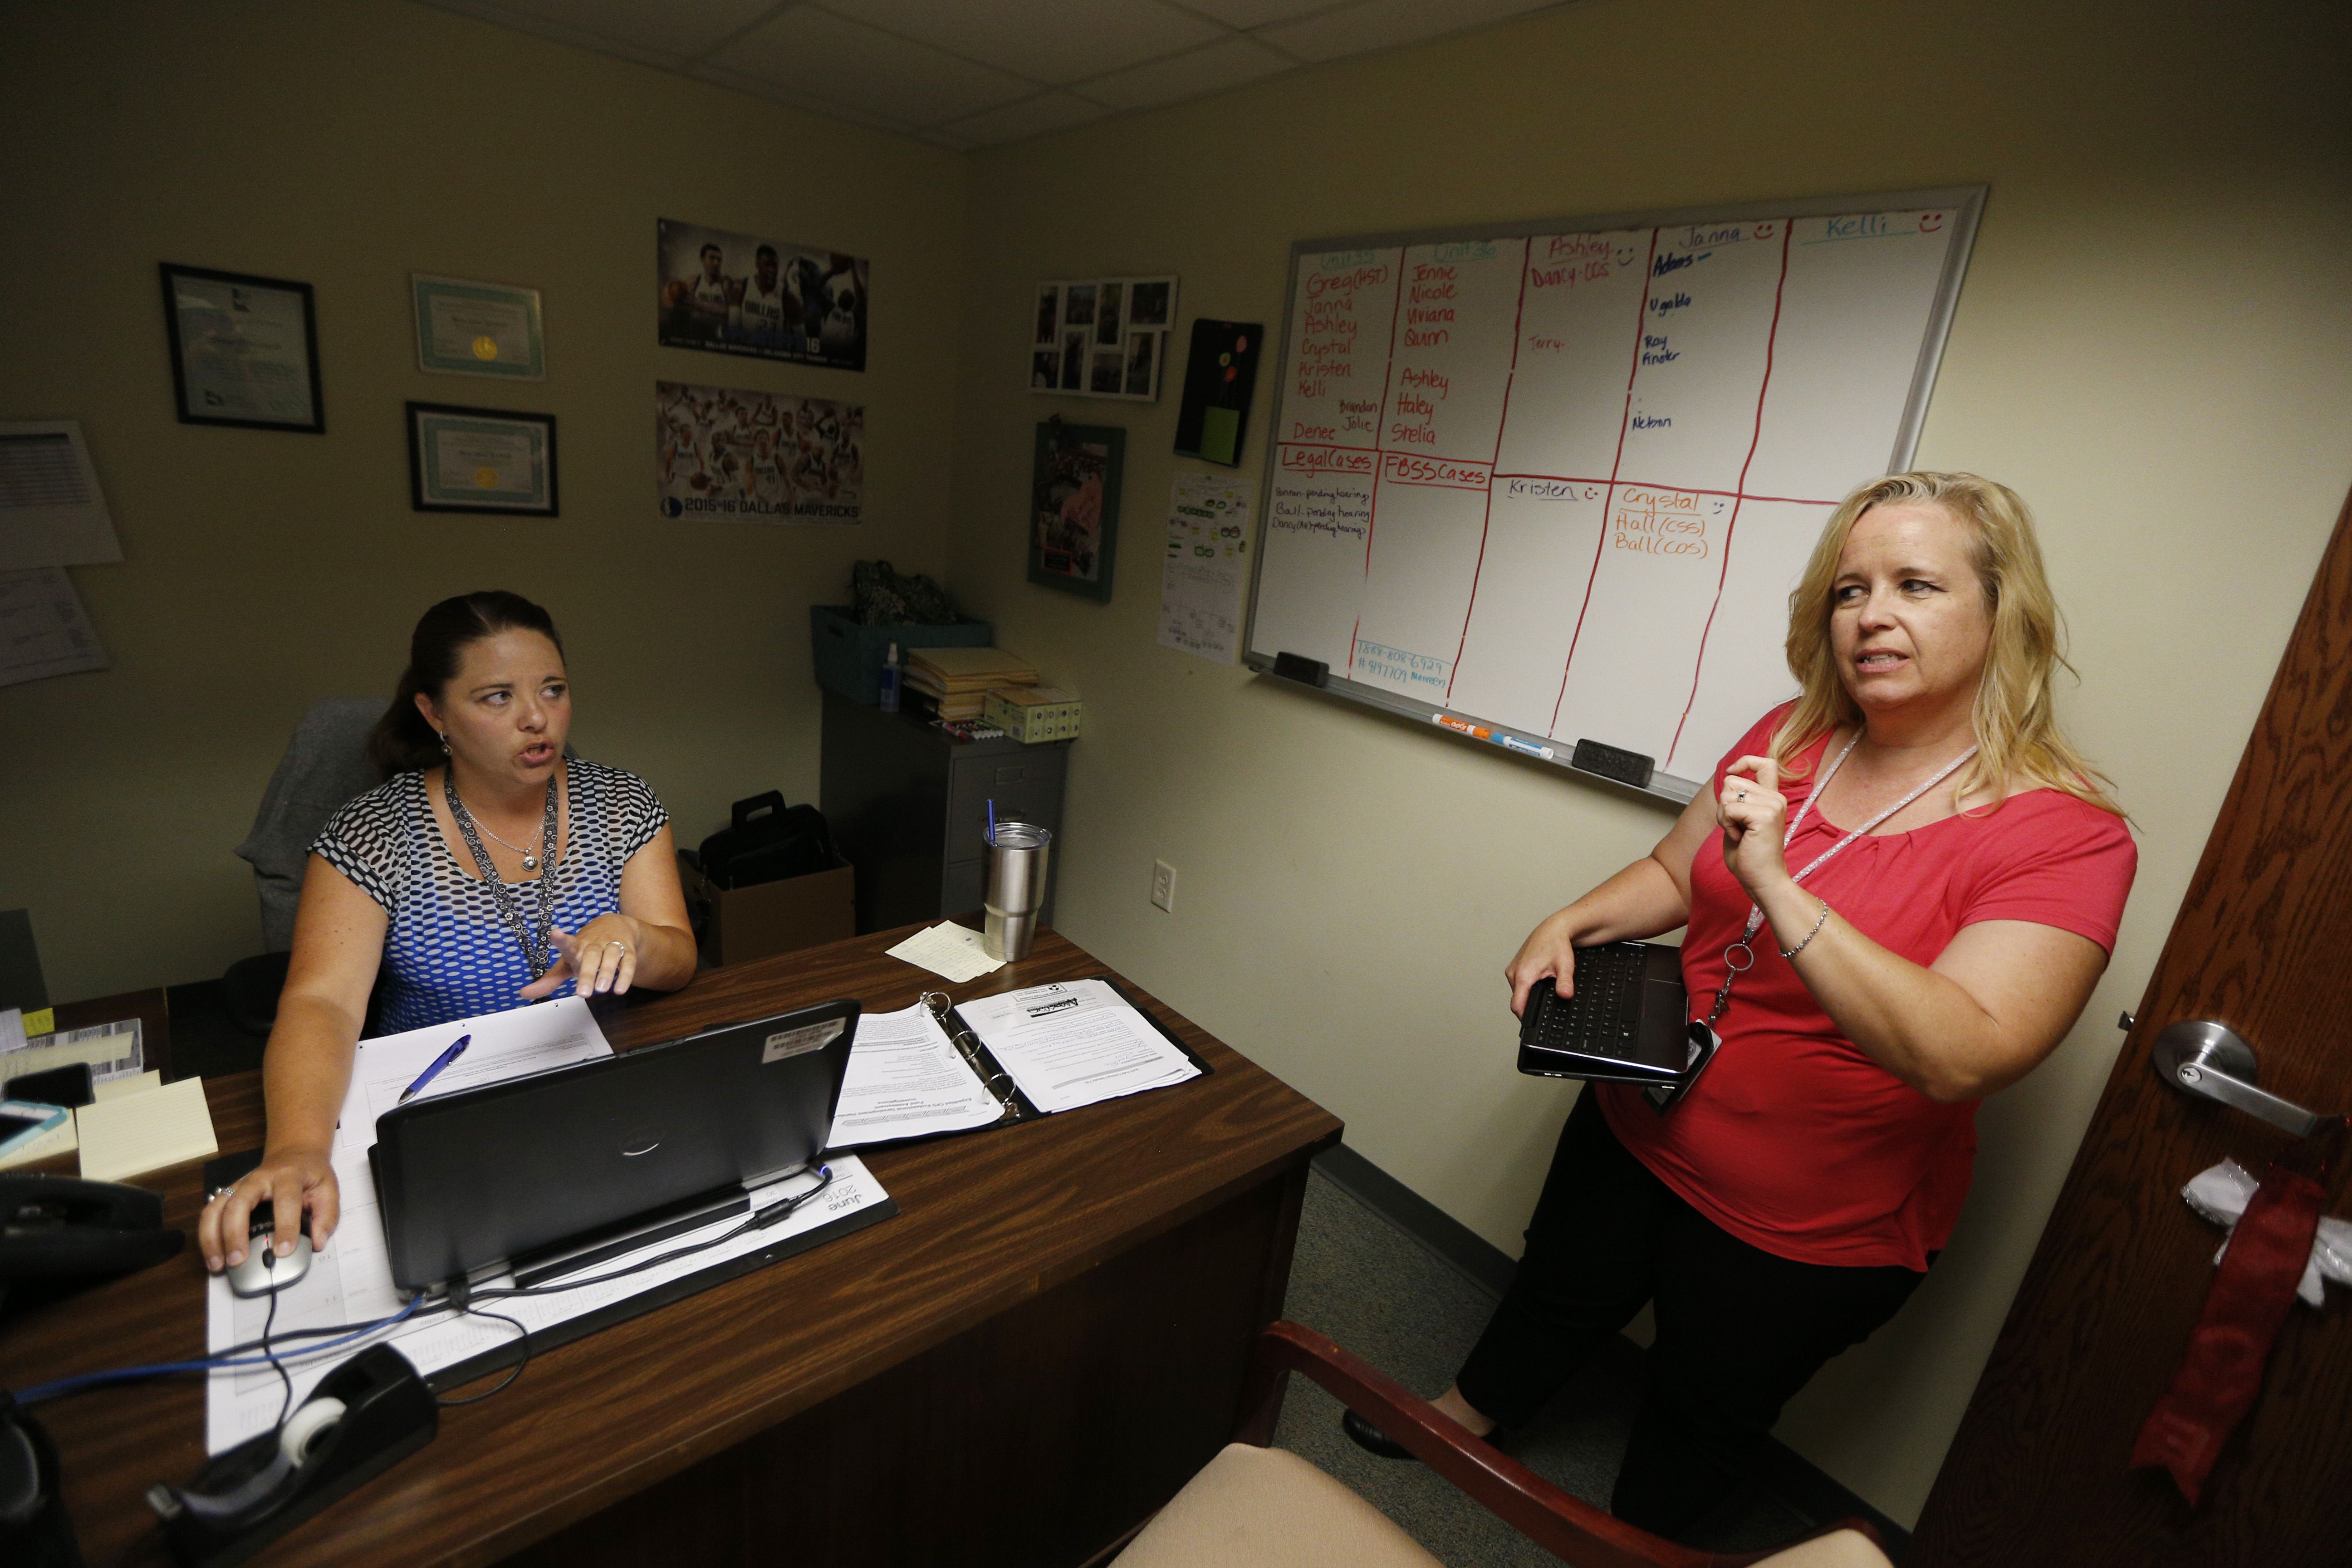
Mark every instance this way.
x=347 y=145
x=2153 y=345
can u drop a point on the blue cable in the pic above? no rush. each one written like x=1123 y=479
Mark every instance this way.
x=63 y=1387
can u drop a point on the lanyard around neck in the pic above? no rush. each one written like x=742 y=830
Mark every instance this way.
x=1746 y=960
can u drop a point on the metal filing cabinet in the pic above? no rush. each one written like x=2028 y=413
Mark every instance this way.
x=909 y=804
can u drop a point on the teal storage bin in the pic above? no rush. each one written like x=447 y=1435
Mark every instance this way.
x=849 y=656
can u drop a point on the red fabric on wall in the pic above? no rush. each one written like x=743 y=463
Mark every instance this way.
x=1794 y=1140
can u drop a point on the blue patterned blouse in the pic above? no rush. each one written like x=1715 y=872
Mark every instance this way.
x=448 y=953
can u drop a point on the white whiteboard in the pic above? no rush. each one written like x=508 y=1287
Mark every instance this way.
x=1557 y=479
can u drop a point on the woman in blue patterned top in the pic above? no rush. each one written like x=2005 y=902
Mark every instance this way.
x=486 y=873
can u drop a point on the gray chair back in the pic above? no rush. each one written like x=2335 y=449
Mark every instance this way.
x=325 y=766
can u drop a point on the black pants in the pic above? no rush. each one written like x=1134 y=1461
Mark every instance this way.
x=1739 y=1330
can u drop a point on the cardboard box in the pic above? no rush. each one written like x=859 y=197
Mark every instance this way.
x=1034 y=713
x=763 y=920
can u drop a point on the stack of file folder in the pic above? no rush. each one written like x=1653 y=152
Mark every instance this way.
x=956 y=680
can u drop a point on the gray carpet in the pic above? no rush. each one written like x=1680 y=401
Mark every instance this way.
x=1366 y=1284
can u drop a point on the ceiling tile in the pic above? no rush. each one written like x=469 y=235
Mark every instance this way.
x=1258 y=12
x=848 y=114
x=835 y=60
x=1370 y=24
x=674 y=27
x=1058 y=41
x=1194 y=75
x=1032 y=117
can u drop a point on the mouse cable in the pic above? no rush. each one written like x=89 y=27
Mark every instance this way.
x=461 y=1301
x=278 y=1365
x=234 y=1356
x=218 y=1360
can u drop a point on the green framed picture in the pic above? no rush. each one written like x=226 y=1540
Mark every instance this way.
x=466 y=327
x=480 y=460
x=1074 y=507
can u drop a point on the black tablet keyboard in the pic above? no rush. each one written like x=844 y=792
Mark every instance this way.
x=1605 y=1010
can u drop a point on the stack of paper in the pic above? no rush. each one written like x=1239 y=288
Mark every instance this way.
x=907 y=1080
x=129 y=1134
x=948 y=949
x=957 y=680
x=1068 y=1045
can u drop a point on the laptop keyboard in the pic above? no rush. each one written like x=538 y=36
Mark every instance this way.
x=1606 y=1009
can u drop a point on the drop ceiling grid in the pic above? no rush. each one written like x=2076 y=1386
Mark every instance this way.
x=978 y=73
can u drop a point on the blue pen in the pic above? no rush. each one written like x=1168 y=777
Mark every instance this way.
x=991 y=820
x=429 y=1074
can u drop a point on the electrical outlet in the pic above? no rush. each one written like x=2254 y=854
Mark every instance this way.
x=1163 y=885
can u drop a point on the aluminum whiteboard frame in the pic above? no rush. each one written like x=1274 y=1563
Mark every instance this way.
x=1966 y=204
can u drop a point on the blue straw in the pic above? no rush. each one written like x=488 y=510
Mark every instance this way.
x=992 y=821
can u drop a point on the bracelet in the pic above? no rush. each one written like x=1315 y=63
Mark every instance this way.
x=1819 y=921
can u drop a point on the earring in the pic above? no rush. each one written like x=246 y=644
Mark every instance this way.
x=444 y=745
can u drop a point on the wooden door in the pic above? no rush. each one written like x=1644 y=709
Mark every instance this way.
x=2263 y=944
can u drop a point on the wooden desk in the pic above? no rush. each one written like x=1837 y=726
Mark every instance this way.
x=1039 y=1350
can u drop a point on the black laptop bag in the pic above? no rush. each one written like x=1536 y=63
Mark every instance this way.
x=767 y=842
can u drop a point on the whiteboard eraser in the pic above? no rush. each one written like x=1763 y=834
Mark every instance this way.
x=1613 y=763
x=1299 y=666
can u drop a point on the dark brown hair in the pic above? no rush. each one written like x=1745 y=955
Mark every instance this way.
x=401 y=742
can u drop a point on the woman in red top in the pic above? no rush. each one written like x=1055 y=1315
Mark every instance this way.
x=1929 y=880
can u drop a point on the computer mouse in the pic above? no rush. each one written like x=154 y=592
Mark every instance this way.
x=263 y=1270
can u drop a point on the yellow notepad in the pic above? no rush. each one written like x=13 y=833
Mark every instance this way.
x=141 y=1132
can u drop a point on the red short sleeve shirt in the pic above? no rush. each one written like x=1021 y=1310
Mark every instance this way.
x=1794 y=1141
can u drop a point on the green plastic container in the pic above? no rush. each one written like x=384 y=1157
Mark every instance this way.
x=849 y=656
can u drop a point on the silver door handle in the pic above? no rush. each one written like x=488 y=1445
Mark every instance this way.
x=2203 y=1057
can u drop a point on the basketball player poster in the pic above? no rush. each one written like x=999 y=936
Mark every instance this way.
x=737 y=294
x=729 y=454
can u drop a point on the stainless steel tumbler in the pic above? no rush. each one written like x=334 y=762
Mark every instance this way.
x=1017 y=852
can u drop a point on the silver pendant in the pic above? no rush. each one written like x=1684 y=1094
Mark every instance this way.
x=530 y=862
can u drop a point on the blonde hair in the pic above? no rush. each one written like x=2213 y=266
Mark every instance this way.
x=2016 y=726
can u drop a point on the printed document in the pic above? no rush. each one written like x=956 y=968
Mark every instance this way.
x=1068 y=1045
x=907 y=1080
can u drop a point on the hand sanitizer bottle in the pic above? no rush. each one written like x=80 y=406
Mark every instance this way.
x=890 y=680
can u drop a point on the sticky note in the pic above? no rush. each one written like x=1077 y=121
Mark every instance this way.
x=135 y=1133
x=116 y=1087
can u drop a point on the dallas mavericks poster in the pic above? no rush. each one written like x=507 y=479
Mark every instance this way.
x=737 y=294
x=729 y=454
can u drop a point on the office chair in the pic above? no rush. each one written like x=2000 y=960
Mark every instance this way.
x=1254 y=1506
x=325 y=766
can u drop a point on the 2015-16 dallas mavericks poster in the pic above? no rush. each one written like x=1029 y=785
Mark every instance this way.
x=758 y=456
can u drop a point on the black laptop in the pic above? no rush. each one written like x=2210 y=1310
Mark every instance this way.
x=623 y=1149
x=1627 y=1023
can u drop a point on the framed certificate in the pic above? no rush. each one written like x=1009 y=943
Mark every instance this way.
x=480 y=460
x=464 y=328
x=244 y=351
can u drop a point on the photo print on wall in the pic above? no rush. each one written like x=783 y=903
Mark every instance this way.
x=1102 y=337
x=729 y=454
x=738 y=294
x=1074 y=506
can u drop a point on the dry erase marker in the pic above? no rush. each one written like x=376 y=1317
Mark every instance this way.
x=1526 y=748
x=1463 y=726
